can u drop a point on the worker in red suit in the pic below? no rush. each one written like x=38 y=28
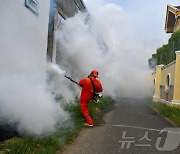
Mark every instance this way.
x=87 y=93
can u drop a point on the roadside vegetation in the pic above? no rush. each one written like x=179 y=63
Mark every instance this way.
x=54 y=142
x=170 y=112
x=166 y=53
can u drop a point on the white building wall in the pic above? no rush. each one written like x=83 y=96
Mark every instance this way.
x=23 y=37
x=177 y=25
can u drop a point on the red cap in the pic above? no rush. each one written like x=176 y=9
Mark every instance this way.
x=95 y=73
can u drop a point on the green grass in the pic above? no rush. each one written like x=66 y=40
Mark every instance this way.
x=55 y=141
x=172 y=113
x=76 y=114
x=28 y=145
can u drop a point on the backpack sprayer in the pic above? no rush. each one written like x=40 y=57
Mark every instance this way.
x=96 y=97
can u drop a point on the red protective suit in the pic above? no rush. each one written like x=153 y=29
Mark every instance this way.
x=87 y=94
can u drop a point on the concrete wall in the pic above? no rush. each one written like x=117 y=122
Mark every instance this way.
x=23 y=41
x=176 y=96
x=168 y=70
x=163 y=90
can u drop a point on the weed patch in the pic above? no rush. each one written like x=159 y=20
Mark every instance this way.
x=172 y=113
x=54 y=141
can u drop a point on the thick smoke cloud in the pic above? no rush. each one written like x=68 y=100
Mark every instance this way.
x=107 y=41
x=26 y=101
x=121 y=62
x=59 y=85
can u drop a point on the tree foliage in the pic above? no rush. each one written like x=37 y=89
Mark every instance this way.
x=166 y=53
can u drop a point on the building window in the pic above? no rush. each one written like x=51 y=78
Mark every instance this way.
x=168 y=79
x=33 y=5
x=168 y=82
x=154 y=85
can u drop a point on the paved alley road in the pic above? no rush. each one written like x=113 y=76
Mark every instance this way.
x=129 y=126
